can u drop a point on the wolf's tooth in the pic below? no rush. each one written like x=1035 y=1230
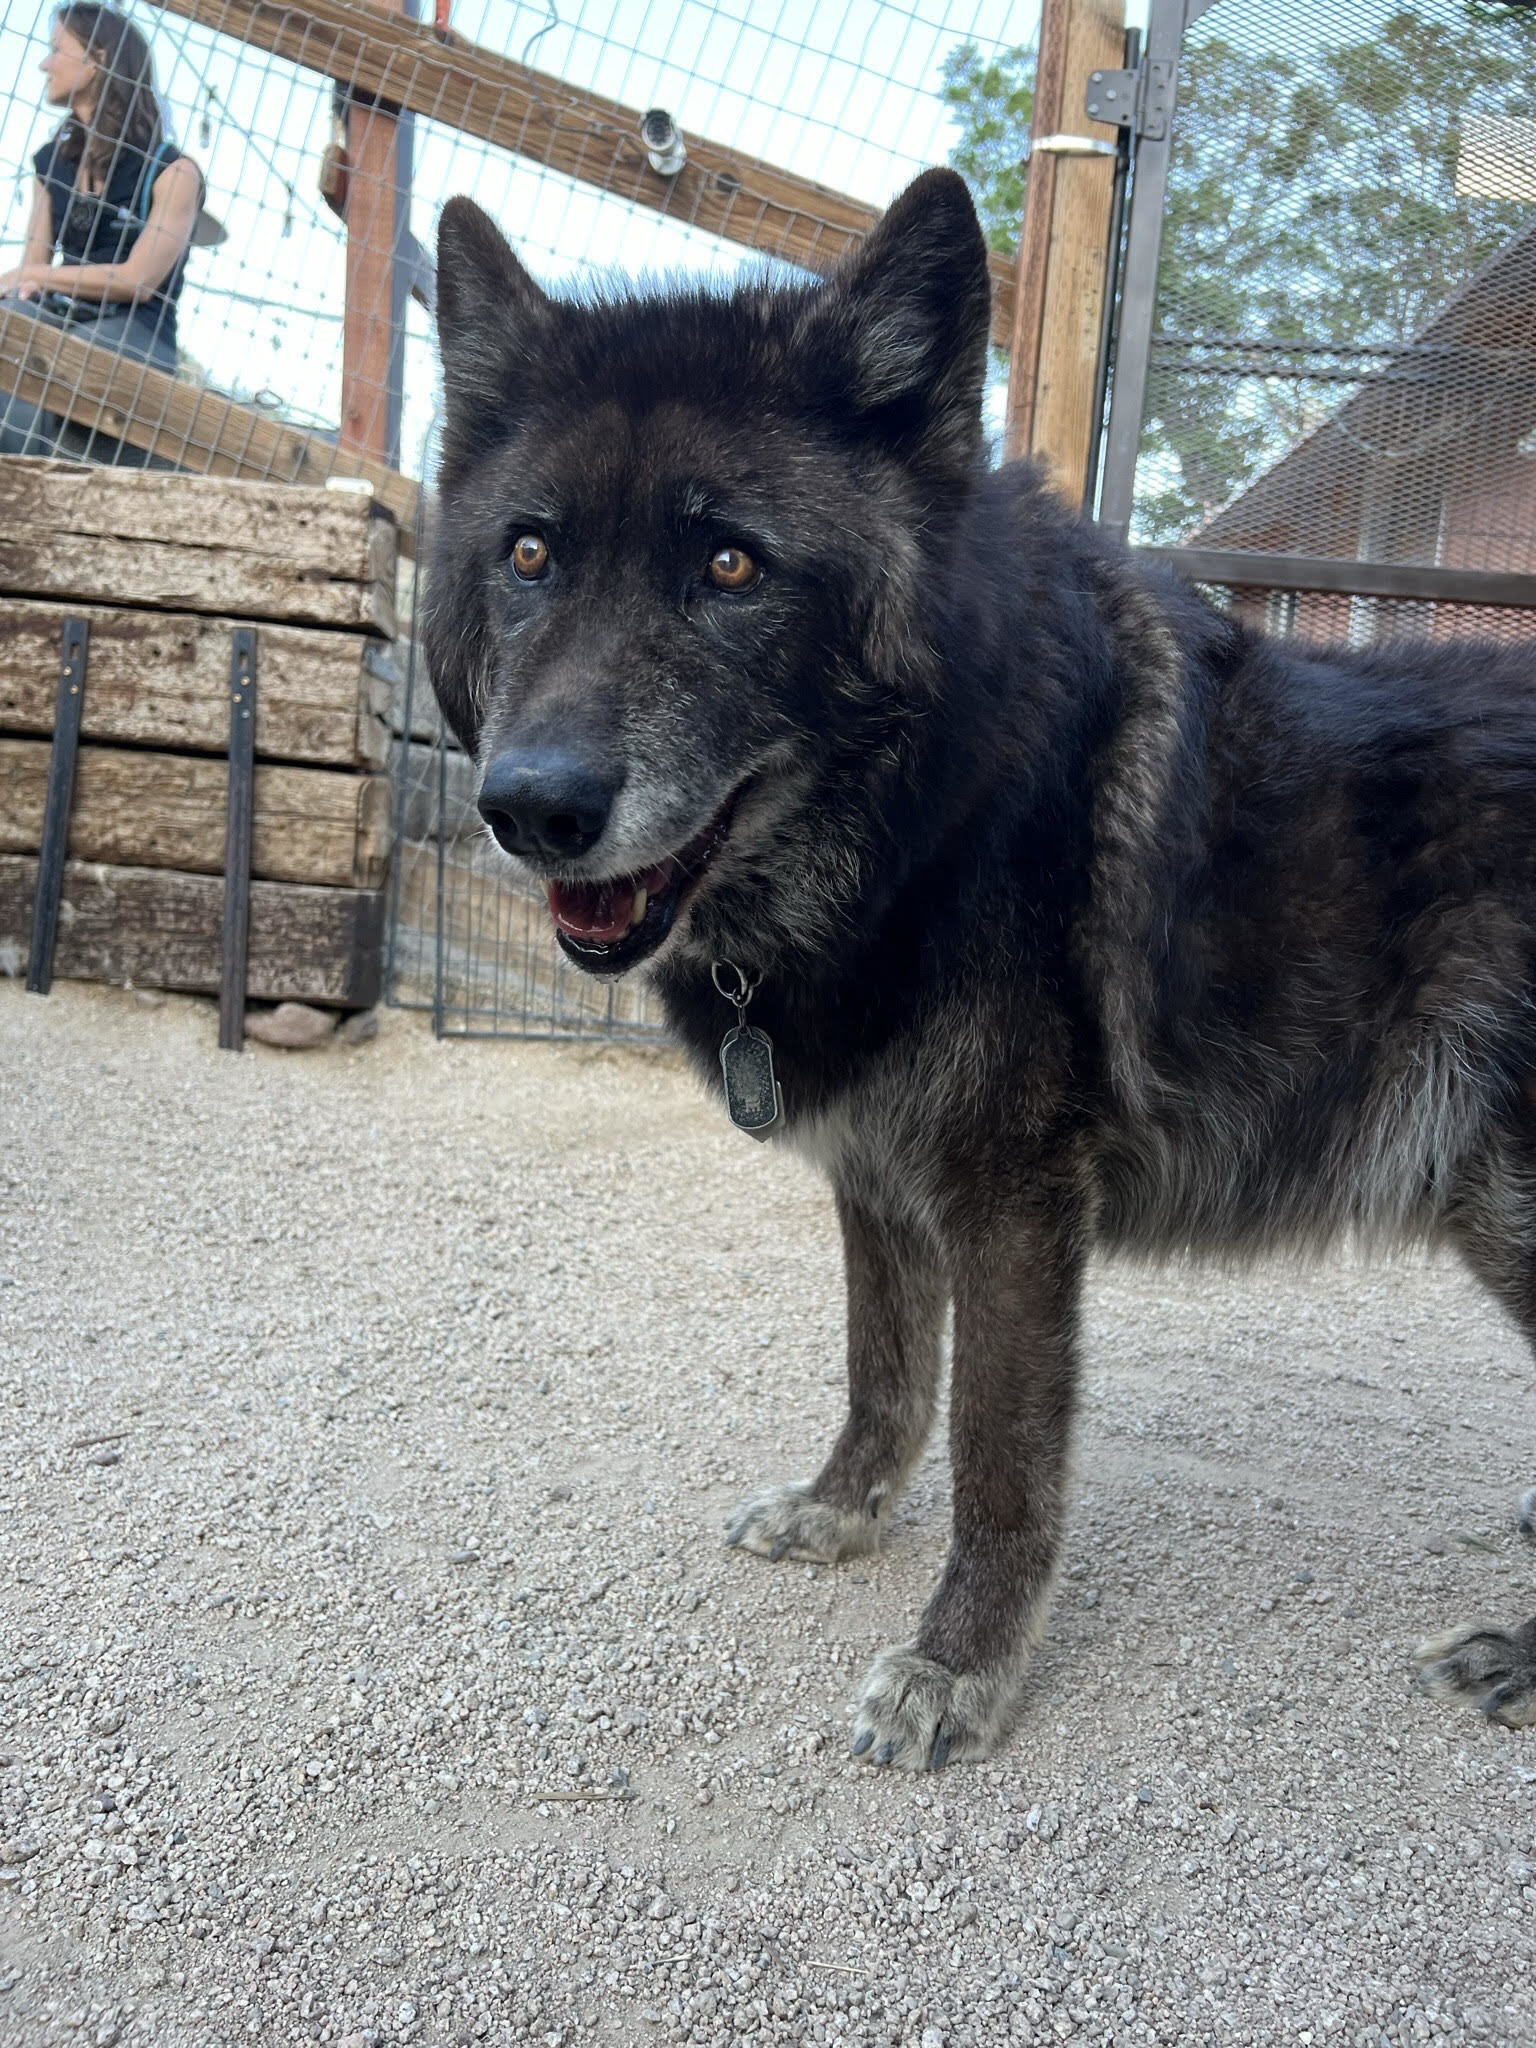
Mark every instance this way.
x=637 y=911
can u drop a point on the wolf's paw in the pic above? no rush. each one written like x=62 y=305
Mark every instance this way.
x=787 y=1521
x=919 y=1714
x=1485 y=1668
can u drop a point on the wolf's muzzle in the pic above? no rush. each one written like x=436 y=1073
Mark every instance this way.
x=545 y=806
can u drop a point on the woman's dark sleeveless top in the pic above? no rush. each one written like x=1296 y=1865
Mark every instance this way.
x=102 y=227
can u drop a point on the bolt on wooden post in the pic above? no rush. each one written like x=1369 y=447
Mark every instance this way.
x=1063 y=260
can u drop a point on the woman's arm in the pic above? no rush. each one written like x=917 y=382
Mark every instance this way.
x=39 y=242
x=161 y=245
x=40 y=229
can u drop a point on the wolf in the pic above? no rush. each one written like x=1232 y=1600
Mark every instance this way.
x=1044 y=905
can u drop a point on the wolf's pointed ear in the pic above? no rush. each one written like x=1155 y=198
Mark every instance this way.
x=904 y=320
x=490 y=312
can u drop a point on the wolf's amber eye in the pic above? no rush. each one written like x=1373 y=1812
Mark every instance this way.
x=530 y=557
x=732 y=569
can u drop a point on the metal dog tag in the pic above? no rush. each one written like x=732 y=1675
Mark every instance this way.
x=753 y=1098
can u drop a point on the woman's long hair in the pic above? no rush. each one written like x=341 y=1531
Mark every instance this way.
x=127 y=110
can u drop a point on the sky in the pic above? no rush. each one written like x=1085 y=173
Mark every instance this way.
x=845 y=92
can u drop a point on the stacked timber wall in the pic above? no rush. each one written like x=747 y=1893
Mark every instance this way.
x=163 y=568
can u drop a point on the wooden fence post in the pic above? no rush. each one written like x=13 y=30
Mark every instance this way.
x=378 y=187
x=1063 y=250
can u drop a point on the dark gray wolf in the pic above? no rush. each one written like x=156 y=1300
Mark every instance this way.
x=1075 y=913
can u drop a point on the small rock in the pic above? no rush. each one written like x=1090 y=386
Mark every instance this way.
x=361 y=1028
x=294 y=1026
x=660 y=1908
x=149 y=998
x=463 y=1556
x=109 y=1456
x=1527 y=1523
x=109 y=1723
x=19 y=1852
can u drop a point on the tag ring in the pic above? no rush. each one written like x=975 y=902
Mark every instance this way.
x=745 y=989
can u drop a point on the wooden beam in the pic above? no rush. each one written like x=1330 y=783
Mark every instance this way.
x=721 y=190
x=187 y=426
x=168 y=811
x=157 y=929
x=157 y=680
x=256 y=550
x=370 y=377
x=1063 y=250
x=367 y=335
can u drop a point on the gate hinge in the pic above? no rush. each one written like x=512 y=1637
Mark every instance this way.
x=1137 y=99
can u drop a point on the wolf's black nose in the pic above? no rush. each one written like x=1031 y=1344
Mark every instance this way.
x=544 y=805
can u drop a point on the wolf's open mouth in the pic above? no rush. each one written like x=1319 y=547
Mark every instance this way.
x=608 y=927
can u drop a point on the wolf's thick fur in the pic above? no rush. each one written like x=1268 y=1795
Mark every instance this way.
x=1083 y=915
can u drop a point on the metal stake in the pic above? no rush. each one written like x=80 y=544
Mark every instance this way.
x=237 y=840
x=61 y=794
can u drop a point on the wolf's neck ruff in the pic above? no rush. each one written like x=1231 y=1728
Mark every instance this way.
x=753 y=1098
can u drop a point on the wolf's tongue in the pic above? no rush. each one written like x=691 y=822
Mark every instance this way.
x=592 y=910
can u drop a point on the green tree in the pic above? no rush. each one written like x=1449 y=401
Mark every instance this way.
x=994 y=102
x=1311 y=203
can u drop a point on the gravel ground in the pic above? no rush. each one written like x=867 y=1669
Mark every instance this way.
x=372 y=1670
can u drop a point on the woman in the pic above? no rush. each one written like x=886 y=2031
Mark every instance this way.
x=118 y=202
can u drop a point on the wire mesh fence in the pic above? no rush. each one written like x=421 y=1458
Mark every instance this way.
x=1343 y=360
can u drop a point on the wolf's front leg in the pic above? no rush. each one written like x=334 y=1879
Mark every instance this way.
x=949 y=1694
x=896 y=1302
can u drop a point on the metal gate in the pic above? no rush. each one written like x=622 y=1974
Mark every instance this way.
x=1324 y=391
